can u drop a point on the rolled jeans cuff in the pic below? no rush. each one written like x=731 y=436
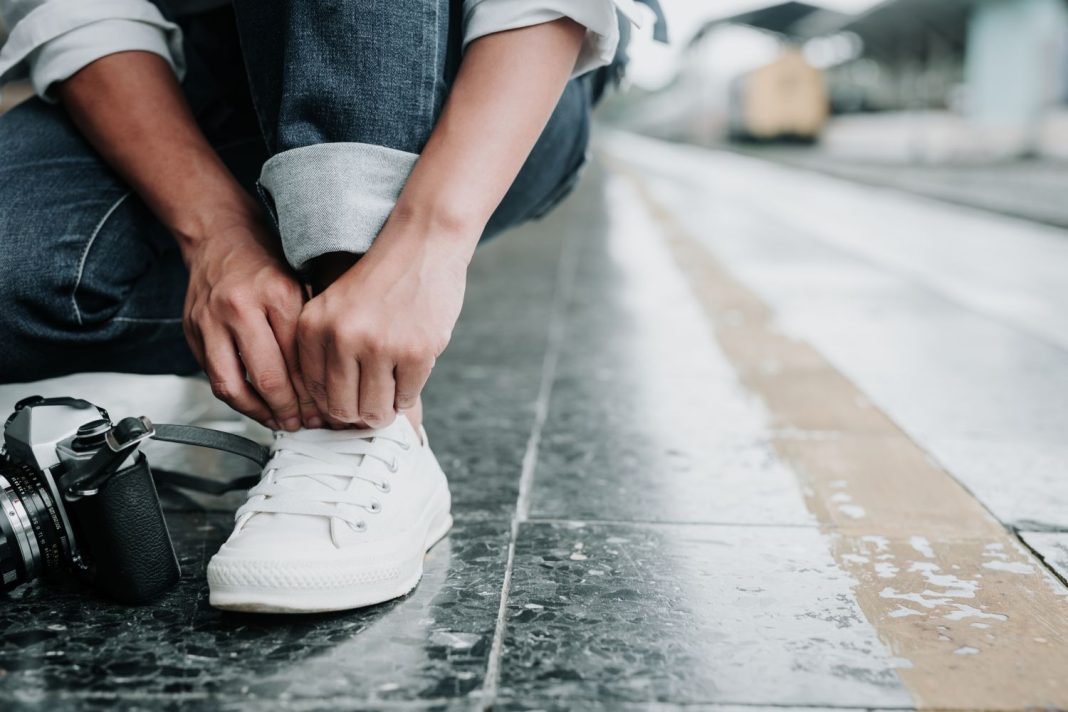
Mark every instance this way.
x=333 y=197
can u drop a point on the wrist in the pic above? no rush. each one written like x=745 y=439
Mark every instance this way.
x=192 y=228
x=441 y=224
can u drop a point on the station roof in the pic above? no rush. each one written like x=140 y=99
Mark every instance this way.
x=896 y=28
x=783 y=18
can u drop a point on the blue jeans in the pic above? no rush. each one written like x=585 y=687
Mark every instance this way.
x=91 y=281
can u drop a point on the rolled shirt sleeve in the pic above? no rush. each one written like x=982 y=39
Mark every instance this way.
x=50 y=40
x=484 y=17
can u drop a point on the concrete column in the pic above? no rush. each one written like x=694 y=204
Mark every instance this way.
x=1016 y=65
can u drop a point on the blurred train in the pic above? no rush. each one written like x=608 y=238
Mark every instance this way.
x=785 y=100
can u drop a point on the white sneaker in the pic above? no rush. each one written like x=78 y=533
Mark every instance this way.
x=339 y=520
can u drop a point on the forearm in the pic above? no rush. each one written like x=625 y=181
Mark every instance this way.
x=507 y=87
x=130 y=107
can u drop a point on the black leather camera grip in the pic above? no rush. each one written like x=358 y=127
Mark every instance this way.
x=123 y=529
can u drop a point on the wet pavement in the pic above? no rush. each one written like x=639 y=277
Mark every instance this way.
x=1029 y=188
x=720 y=434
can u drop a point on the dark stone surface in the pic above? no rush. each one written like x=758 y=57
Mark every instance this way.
x=64 y=647
x=478 y=421
x=647 y=421
x=686 y=614
x=644 y=424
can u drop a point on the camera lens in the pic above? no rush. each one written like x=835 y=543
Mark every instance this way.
x=33 y=540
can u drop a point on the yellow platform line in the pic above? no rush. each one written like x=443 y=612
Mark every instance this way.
x=974 y=617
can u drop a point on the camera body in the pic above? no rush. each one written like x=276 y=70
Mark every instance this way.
x=76 y=496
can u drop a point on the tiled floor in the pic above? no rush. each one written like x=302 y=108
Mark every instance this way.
x=632 y=532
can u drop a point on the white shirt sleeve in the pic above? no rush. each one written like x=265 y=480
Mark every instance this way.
x=484 y=17
x=50 y=40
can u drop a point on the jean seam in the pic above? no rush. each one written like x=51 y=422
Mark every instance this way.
x=148 y=320
x=433 y=67
x=85 y=255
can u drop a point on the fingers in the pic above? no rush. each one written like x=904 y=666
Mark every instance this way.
x=227 y=376
x=342 y=387
x=377 y=392
x=309 y=411
x=312 y=358
x=267 y=369
x=353 y=373
x=284 y=324
x=411 y=376
x=195 y=340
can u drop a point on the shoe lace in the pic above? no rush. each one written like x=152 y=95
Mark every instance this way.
x=336 y=466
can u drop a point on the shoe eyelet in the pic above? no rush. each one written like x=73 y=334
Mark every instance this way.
x=360 y=526
x=394 y=465
x=375 y=507
x=383 y=487
x=405 y=445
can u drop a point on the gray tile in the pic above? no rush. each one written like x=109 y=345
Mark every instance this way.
x=1023 y=483
x=478 y=421
x=599 y=459
x=509 y=301
x=62 y=644
x=688 y=614
x=647 y=419
x=952 y=324
x=1010 y=269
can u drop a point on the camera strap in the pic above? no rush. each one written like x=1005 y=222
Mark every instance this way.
x=214 y=440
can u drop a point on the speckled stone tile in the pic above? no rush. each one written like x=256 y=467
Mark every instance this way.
x=688 y=614
x=600 y=459
x=510 y=296
x=478 y=421
x=62 y=647
x=647 y=419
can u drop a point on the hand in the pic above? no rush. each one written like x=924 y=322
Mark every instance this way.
x=241 y=313
x=369 y=341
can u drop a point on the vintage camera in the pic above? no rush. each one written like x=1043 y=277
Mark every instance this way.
x=77 y=497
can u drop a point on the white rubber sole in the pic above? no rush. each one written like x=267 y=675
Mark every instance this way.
x=378 y=586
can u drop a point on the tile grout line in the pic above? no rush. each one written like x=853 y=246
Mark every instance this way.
x=565 y=279
x=1050 y=568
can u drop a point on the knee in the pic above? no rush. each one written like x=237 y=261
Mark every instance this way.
x=76 y=246
x=47 y=244
x=61 y=208
x=47 y=328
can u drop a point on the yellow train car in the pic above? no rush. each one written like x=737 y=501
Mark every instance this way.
x=786 y=100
